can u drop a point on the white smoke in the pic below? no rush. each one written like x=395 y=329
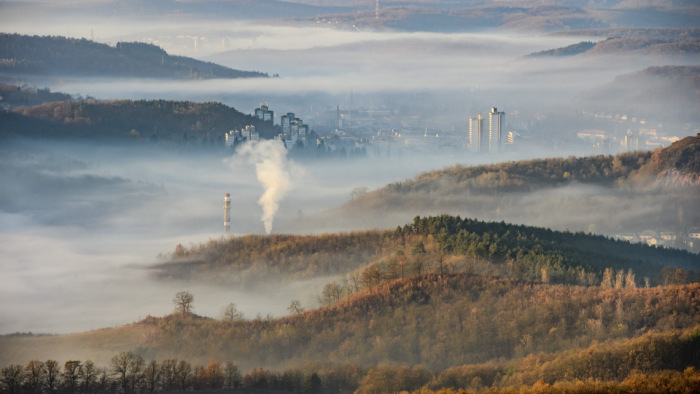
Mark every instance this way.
x=271 y=168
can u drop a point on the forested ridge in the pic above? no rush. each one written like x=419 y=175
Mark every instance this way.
x=430 y=244
x=54 y=55
x=201 y=124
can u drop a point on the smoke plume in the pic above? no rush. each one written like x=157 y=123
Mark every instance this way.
x=270 y=160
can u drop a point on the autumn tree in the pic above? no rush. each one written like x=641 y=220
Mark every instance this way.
x=183 y=302
x=331 y=293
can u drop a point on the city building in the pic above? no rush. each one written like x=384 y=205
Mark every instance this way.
x=496 y=126
x=264 y=113
x=247 y=133
x=293 y=130
x=477 y=140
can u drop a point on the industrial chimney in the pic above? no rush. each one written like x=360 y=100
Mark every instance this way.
x=227 y=212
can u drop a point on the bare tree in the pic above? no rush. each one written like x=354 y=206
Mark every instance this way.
x=35 y=373
x=295 y=307
x=128 y=366
x=11 y=378
x=232 y=313
x=183 y=302
x=72 y=372
x=90 y=376
x=151 y=375
x=52 y=372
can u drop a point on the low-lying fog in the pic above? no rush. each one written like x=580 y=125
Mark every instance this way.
x=79 y=225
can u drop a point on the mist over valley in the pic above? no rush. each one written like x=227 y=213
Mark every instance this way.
x=356 y=196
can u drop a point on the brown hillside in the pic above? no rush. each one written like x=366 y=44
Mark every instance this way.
x=678 y=163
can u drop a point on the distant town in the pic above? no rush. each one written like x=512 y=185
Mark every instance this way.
x=385 y=131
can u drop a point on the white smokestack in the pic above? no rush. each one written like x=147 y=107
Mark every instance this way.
x=270 y=160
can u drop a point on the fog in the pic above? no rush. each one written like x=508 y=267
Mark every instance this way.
x=80 y=224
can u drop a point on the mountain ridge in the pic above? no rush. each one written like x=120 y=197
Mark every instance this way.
x=61 y=56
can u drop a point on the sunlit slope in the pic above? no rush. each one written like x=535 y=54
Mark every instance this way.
x=437 y=321
x=439 y=244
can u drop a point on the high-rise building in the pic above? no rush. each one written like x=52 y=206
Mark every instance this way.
x=477 y=142
x=286 y=123
x=496 y=122
x=263 y=113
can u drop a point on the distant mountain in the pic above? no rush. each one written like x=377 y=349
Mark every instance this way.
x=156 y=120
x=60 y=56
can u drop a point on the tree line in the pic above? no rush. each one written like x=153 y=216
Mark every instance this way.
x=654 y=362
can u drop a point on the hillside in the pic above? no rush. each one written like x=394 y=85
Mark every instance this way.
x=432 y=244
x=579 y=194
x=570 y=50
x=522 y=16
x=679 y=163
x=156 y=120
x=60 y=56
x=638 y=93
x=436 y=321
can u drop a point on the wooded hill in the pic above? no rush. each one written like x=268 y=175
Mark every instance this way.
x=155 y=120
x=60 y=56
x=448 y=329
x=431 y=244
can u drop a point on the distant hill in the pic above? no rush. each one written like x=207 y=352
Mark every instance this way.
x=570 y=50
x=638 y=93
x=155 y=120
x=13 y=95
x=661 y=41
x=527 y=16
x=581 y=194
x=60 y=56
x=678 y=163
